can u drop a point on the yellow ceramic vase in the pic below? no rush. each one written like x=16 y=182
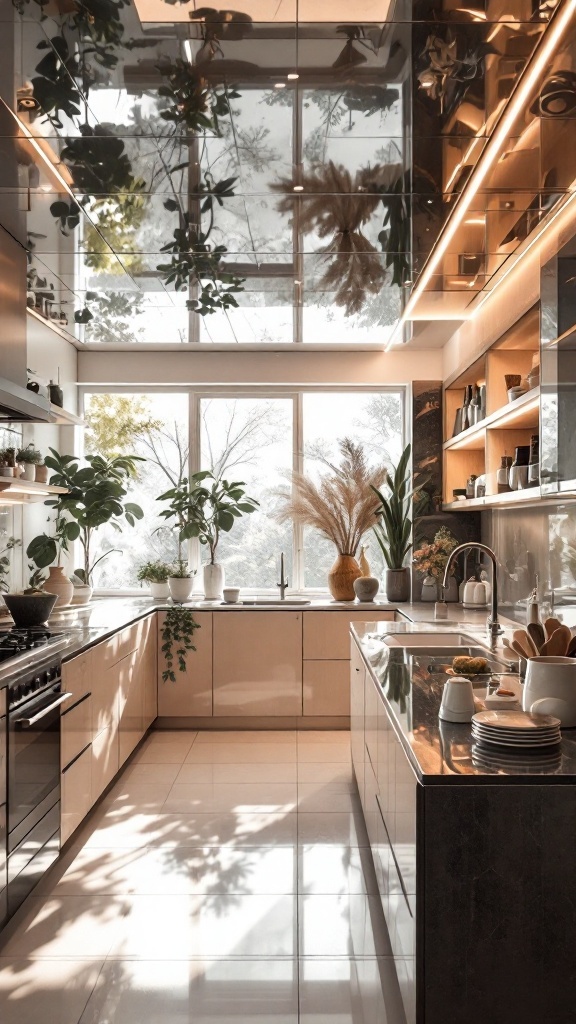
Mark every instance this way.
x=341 y=578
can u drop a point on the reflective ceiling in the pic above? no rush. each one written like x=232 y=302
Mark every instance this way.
x=263 y=175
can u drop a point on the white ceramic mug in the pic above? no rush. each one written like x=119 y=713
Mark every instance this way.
x=550 y=688
x=231 y=594
x=457 y=700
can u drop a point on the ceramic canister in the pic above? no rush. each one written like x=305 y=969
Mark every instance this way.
x=550 y=688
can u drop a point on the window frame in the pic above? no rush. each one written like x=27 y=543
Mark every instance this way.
x=195 y=397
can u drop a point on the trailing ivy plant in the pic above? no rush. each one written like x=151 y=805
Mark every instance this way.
x=177 y=640
x=194 y=103
x=195 y=262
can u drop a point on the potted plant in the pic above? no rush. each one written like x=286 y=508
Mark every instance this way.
x=156 y=575
x=341 y=507
x=29 y=457
x=7 y=462
x=180 y=580
x=430 y=560
x=94 y=497
x=178 y=629
x=393 y=531
x=45 y=549
x=204 y=507
x=33 y=606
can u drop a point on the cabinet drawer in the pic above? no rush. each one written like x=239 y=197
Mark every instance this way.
x=76 y=679
x=326 y=689
x=76 y=793
x=76 y=727
x=327 y=634
x=105 y=687
x=104 y=760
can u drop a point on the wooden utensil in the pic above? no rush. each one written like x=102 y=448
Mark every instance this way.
x=558 y=643
x=520 y=636
x=550 y=625
x=537 y=635
x=513 y=646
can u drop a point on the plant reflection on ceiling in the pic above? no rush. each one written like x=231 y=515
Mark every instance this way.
x=226 y=180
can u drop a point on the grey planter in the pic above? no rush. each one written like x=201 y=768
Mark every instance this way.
x=366 y=588
x=30 y=609
x=397 y=585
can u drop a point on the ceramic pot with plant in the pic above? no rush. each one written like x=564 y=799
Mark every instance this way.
x=340 y=506
x=33 y=606
x=430 y=559
x=204 y=507
x=180 y=580
x=41 y=473
x=393 y=531
x=95 y=494
x=46 y=549
x=155 y=574
x=29 y=457
x=8 y=462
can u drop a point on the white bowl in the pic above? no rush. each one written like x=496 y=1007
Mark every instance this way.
x=231 y=594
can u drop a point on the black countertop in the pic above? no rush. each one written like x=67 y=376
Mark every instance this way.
x=442 y=752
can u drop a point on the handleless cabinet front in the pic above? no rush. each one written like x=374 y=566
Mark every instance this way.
x=191 y=693
x=257 y=663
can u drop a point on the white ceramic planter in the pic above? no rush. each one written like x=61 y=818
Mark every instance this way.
x=81 y=595
x=159 y=591
x=29 y=471
x=213 y=581
x=180 y=588
x=59 y=584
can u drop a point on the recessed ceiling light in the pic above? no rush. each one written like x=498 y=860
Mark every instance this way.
x=293 y=75
x=279 y=85
x=297 y=282
x=298 y=188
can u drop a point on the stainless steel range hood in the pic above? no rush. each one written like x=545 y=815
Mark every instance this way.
x=18 y=405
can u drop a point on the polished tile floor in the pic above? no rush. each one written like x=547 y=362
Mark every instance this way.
x=225 y=879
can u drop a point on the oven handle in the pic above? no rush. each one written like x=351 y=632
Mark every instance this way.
x=25 y=723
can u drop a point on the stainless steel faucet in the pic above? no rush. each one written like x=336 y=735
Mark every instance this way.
x=493 y=624
x=283 y=579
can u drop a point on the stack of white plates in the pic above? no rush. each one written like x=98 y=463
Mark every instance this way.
x=516 y=729
x=508 y=759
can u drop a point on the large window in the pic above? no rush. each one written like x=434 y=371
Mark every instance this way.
x=257 y=438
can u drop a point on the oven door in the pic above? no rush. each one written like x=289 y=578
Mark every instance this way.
x=3 y=795
x=33 y=762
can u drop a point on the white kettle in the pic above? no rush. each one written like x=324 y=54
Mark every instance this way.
x=550 y=688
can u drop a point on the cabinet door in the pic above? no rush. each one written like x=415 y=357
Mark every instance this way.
x=130 y=705
x=105 y=685
x=76 y=793
x=258 y=663
x=327 y=634
x=76 y=730
x=326 y=688
x=148 y=668
x=357 y=674
x=105 y=760
x=76 y=677
x=191 y=694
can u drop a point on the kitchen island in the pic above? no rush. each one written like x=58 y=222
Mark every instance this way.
x=474 y=858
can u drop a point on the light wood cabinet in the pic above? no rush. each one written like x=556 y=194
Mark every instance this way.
x=327 y=636
x=148 y=652
x=130 y=705
x=191 y=694
x=76 y=793
x=105 y=760
x=76 y=730
x=257 y=664
x=76 y=678
x=326 y=688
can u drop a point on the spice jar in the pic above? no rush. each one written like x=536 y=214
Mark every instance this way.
x=502 y=484
x=470 y=486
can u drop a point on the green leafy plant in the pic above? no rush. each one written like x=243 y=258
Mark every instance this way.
x=29 y=455
x=195 y=104
x=94 y=497
x=177 y=640
x=153 y=572
x=36 y=582
x=393 y=531
x=180 y=570
x=45 y=549
x=54 y=85
x=204 y=507
x=195 y=262
x=5 y=562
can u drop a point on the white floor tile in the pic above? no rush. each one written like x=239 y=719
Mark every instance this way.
x=322 y=752
x=258 y=736
x=197 y=992
x=237 y=773
x=349 y=992
x=335 y=870
x=241 y=753
x=337 y=773
x=331 y=827
x=50 y=991
x=348 y=925
x=172 y=927
x=151 y=773
x=242 y=829
x=273 y=798
x=68 y=926
x=320 y=797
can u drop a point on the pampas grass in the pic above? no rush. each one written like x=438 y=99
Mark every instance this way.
x=341 y=505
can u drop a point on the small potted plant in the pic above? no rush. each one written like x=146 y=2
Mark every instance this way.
x=156 y=575
x=29 y=457
x=180 y=580
x=430 y=561
x=7 y=462
x=393 y=531
x=204 y=507
x=33 y=606
x=44 y=550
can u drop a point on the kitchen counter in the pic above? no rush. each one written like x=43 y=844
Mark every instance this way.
x=441 y=751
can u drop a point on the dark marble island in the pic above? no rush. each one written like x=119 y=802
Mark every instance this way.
x=474 y=858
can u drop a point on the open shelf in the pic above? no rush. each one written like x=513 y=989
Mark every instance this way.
x=18 y=491
x=525 y=497
x=523 y=413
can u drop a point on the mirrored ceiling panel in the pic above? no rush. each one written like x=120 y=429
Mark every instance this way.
x=272 y=174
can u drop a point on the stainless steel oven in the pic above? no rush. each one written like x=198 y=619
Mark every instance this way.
x=3 y=810
x=33 y=778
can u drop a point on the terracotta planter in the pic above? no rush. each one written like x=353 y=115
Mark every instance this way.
x=41 y=474
x=59 y=584
x=341 y=578
x=397 y=585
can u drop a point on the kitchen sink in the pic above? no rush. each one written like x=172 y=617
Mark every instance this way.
x=428 y=640
x=270 y=602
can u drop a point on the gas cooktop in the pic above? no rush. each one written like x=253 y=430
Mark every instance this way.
x=14 y=642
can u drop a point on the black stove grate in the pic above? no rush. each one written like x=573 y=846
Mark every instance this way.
x=18 y=641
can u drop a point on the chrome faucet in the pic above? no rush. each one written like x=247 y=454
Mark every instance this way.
x=493 y=624
x=283 y=579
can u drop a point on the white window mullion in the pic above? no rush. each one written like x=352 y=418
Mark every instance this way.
x=194 y=456
x=298 y=466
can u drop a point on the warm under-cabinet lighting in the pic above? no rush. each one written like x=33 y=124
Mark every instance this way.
x=547 y=48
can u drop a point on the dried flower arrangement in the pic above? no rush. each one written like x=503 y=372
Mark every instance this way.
x=431 y=559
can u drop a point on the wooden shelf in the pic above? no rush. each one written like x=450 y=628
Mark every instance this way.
x=523 y=413
x=528 y=496
x=17 y=491
x=65 y=418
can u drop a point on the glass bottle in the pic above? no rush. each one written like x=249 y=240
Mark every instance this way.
x=466 y=410
x=470 y=485
x=518 y=476
x=502 y=484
